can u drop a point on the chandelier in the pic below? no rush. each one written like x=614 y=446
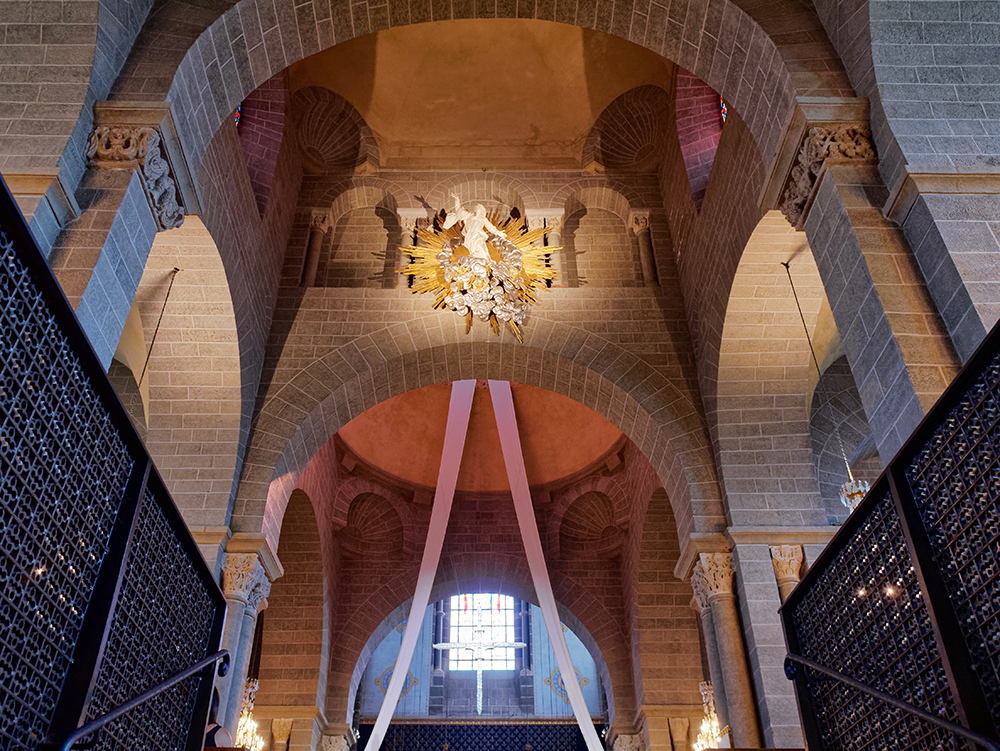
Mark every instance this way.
x=246 y=732
x=710 y=735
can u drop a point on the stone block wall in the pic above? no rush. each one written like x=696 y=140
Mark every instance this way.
x=355 y=252
x=261 y=128
x=601 y=251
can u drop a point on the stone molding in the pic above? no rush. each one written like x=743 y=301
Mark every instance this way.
x=629 y=742
x=842 y=143
x=787 y=562
x=779 y=535
x=138 y=147
x=717 y=569
x=244 y=579
x=320 y=221
x=256 y=542
x=638 y=220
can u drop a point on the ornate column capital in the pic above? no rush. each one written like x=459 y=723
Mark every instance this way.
x=717 y=569
x=852 y=142
x=138 y=147
x=638 y=220
x=629 y=742
x=409 y=219
x=334 y=743
x=244 y=579
x=320 y=221
x=551 y=219
x=699 y=586
x=787 y=562
x=281 y=729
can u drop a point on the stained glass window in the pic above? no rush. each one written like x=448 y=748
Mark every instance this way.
x=479 y=621
x=723 y=109
x=237 y=113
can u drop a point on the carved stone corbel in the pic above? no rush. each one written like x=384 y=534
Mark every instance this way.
x=638 y=221
x=409 y=219
x=787 y=562
x=281 y=729
x=138 y=147
x=629 y=742
x=244 y=579
x=821 y=143
x=334 y=743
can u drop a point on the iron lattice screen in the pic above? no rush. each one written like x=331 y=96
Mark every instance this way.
x=906 y=597
x=137 y=656
x=955 y=479
x=63 y=472
x=881 y=635
x=478 y=737
x=103 y=592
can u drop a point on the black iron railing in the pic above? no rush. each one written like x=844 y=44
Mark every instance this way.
x=905 y=600
x=103 y=591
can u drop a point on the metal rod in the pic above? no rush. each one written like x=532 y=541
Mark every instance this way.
x=923 y=714
x=173 y=275
x=97 y=724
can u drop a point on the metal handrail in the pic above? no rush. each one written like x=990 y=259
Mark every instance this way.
x=99 y=722
x=791 y=670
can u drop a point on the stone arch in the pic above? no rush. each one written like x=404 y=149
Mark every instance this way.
x=599 y=192
x=194 y=372
x=609 y=487
x=332 y=135
x=492 y=582
x=628 y=136
x=600 y=250
x=505 y=191
x=374 y=527
x=589 y=526
x=764 y=381
x=722 y=45
x=296 y=420
x=363 y=192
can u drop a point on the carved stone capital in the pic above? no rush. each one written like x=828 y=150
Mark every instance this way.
x=244 y=579
x=550 y=219
x=334 y=743
x=718 y=572
x=630 y=742
x=138 y=147
x=409 y=219
x=281 y=729
x=320 y=221
x=638 y=221
x=843 y=143
x=787 y=562
x=699 y=586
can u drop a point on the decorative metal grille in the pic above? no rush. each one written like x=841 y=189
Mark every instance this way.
x=161 y=625
x=480 y=737
x=63 y=473
x=955 y=480
x=881 y=635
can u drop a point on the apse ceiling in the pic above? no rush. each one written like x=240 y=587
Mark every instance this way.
x=491 y=91
x=404 y=437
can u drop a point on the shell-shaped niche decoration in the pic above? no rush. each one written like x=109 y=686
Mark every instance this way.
x=481 y=265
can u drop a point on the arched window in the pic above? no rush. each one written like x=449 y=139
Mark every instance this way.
x=482 y=624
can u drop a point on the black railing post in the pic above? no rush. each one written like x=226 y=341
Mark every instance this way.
x=79 y=685
x=965 y=684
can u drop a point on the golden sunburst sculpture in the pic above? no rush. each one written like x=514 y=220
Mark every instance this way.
x=496 y=281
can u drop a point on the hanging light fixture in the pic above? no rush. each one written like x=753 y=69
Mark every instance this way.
x=710 y=735
x=246 y=732
x=852 y=491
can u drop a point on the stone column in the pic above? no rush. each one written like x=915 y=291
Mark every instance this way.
x=552 y=220
x=319 y=225
x=639 y=222
x=246 y=586
x=787 y=562
x=700 y=603
x=281 y=729
x=743 y=725
x=409 y=221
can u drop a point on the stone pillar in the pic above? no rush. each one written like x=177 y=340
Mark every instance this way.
x=319 y=225
x=639 y=222
x=743 y=725
x=281 y=729
x=552 y=220
x=787 y=562
x=700 y=602
x=246 y=586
